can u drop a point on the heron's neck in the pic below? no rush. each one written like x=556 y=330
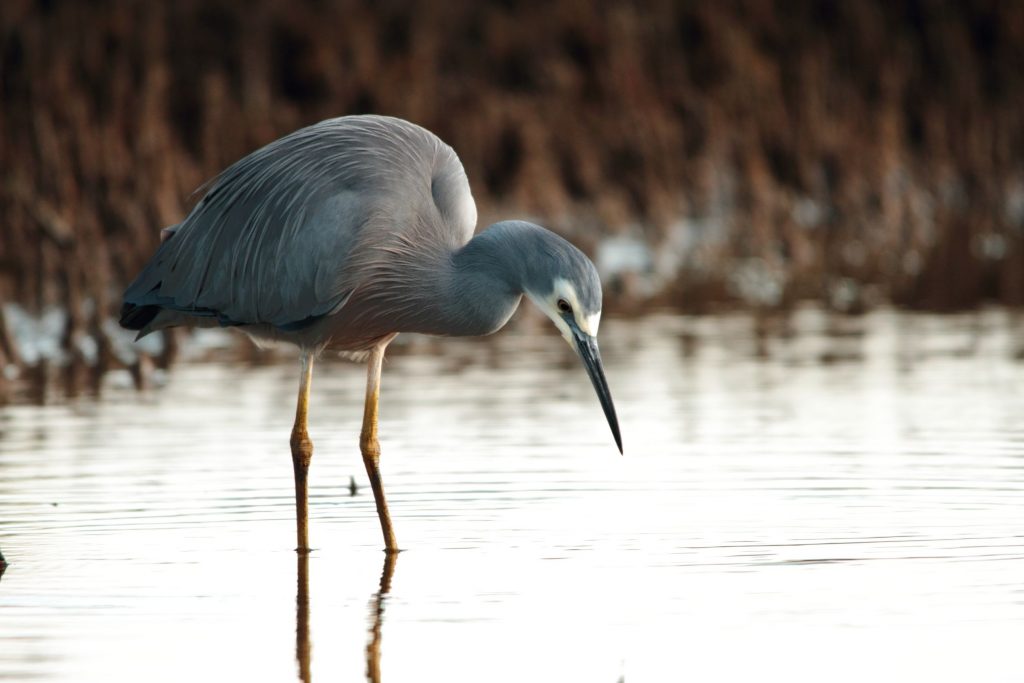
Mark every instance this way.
x=485 y=280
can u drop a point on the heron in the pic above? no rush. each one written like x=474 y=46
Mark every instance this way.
x=341 y=235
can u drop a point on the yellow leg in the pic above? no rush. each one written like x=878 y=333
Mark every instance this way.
x=370 y=446
x=302 y=454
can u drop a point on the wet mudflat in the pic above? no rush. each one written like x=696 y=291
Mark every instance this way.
x=800 y=499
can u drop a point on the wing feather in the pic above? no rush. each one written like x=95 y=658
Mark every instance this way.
x=272 y=240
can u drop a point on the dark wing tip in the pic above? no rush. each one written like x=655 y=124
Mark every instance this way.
x=135 y=317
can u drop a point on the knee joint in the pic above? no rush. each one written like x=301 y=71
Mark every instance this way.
x=370 y=447
x=302 y=447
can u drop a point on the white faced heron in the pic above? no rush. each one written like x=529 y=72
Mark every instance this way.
x=343 y=234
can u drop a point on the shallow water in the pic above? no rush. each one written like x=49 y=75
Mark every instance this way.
x=806 y=499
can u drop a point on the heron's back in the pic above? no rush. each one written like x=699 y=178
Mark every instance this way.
x=337 y=219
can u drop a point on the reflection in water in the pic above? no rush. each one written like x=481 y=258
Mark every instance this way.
x=843 y=484
x=302 y=645
x=377 y=615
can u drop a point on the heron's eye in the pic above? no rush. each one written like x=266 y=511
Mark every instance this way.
x=564 y=306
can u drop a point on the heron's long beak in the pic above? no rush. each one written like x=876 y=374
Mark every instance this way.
x=586 y=346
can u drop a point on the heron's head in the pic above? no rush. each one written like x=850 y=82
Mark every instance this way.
x=564 y=284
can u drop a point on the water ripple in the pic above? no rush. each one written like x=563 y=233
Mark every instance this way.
x=846 y=485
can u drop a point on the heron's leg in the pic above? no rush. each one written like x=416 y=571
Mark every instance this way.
x=370 y=446
x=302 y=454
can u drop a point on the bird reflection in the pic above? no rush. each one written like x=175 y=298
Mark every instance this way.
x=377 y=615
x=303 y=648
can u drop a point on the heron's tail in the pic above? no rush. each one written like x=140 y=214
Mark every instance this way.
x=142 y=302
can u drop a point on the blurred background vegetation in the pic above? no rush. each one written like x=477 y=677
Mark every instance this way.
x=707 y=154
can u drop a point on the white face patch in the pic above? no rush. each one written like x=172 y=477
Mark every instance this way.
x=563 y=289
x=590 y=323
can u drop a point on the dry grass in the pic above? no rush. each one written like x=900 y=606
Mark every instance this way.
x=853 y=152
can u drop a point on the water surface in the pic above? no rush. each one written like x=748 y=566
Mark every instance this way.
x=802 y=499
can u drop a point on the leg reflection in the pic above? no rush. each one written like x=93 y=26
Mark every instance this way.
x=302 y=646
x=377 y=616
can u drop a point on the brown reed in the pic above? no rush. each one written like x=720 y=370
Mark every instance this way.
x=854 y=153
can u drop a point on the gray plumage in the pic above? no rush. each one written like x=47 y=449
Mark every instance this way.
x=342 y=233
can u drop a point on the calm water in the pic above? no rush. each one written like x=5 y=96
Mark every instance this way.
x=834 y=499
